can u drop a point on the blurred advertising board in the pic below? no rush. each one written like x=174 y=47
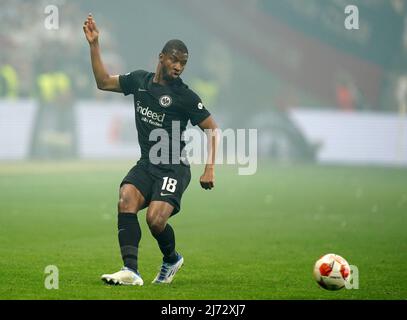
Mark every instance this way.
x=106 y=130
x=354 y=137
x=16 y=127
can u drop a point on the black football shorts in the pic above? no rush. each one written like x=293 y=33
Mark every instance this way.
x=160 y=182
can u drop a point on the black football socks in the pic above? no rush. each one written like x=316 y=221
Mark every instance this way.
x=129 y=233
x=166 y=242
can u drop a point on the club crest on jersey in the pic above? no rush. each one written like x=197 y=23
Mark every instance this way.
x=165 y=101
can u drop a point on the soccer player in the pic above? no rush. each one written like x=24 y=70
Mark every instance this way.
x=161 y=99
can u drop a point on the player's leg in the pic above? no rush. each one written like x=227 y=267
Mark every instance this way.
x=129 y=233
x=157 y=217
x=134 y=195
x=170 y=184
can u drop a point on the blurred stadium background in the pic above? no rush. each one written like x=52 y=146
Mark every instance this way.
x=317 y=93
x=315 y=90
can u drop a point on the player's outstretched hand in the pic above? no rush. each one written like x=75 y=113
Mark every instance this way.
x=207 y=180
x=90 y=29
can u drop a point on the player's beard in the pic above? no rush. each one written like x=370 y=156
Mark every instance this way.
x=166 y=74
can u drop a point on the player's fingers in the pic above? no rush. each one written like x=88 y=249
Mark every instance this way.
x=207 y=185
x=93 y=26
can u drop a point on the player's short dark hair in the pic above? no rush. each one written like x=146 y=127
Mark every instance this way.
x=175 y=44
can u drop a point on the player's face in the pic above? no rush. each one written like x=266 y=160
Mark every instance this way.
x=173 y=64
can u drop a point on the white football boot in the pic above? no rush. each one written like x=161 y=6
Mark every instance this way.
x=125 y=277
x=168 y=271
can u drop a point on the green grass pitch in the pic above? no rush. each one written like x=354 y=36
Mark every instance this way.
x=252 y=237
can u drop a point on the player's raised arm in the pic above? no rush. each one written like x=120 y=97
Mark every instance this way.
x=210 y=127
x=104 y=81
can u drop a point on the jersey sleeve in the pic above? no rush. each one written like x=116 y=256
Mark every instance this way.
x=130 y=82
x=196 y=110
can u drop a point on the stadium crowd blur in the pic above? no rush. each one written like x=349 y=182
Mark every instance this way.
x=41 y=64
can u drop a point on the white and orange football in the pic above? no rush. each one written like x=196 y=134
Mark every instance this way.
x=331 y=271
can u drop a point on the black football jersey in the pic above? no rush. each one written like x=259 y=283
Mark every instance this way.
x=166 y=108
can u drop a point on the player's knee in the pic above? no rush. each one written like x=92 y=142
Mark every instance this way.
x=130 y=199
x=156 y=222
x=126 y=205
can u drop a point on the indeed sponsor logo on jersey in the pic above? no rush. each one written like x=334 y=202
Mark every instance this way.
x=154 y=118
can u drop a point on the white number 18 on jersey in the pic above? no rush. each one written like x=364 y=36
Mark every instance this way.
x=169 y=184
